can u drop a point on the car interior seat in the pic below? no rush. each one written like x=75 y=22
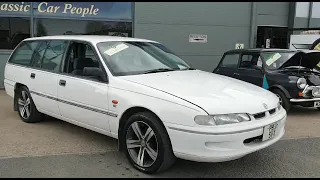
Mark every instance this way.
x=80 y=63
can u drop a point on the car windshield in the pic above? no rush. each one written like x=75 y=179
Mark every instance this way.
x=274 y=60
x=130 y=58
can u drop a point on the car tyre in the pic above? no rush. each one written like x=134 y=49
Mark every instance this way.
x=26 y=108
x=147 y=143
x=284 y=101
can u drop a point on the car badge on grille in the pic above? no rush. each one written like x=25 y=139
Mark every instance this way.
x=265 y=105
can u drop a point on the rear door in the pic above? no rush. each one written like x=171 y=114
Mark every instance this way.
x=250 y=68
x=44 y=75
x=228 y=65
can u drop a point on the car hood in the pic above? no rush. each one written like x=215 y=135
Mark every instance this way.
x=308 y=58
x=212 y=92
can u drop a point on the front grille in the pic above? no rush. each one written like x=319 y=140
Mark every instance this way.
x=259 y=115
x=272 y=111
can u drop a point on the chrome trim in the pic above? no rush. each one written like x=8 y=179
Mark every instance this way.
x=75 y=104
x=304 y=100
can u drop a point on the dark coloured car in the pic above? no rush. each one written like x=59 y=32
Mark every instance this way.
x=293 y=75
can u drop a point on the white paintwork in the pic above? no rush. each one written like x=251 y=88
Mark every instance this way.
x=175 y=97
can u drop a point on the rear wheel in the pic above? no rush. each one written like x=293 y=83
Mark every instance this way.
x=26 y=108
x=147 y=144
x=284 y=101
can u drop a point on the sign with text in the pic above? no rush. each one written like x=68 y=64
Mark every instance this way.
x=199 y=38
x=239 y=46
x=15 y=8
x=105 y=10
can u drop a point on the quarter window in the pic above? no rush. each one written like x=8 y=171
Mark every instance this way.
x=23 y=54
x=230 y=60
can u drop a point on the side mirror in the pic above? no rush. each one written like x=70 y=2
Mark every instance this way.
x=94 y=72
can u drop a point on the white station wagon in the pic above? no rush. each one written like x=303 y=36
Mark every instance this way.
x=144 y=95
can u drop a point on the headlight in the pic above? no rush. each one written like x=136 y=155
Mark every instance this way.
x=301 y=83
x=221 y=119
x=316 y=92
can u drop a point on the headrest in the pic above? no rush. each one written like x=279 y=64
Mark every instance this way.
x=80 y=63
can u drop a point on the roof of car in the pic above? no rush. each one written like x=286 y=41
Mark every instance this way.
x=89 y=38
x=259 y=50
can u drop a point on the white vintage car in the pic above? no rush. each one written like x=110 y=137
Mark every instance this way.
x=144 y=95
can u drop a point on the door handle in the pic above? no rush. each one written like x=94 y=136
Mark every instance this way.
x=62 y=83
x=236 y=74
x=32 y=75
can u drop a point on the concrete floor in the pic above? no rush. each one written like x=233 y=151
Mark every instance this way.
x=32 y=150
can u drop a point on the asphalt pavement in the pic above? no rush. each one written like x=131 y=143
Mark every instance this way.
x=54 y=148
x=285 y=159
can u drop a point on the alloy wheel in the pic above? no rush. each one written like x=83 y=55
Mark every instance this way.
x=142 y=144
x=24 y=105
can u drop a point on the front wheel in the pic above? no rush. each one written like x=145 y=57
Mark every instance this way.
x=147 y=144
x=284 y=101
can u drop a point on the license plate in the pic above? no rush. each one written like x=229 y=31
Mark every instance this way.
x=317 y=104
x=270 y=131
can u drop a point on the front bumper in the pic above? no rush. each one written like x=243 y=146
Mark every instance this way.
x=220 y=147
x=304 y=100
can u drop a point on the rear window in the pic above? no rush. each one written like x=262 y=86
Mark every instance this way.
x=23 y=53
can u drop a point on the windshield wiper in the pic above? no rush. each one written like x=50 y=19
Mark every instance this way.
x=159 y=70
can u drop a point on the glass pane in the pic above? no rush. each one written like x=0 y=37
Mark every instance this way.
x=44 y=27
x=23 y=54
x=126 y=58
x=230 y=60
x=53 y=55
x=13 y=31
x=38 y=55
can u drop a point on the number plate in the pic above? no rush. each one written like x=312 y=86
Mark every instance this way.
x=317 y=104
x=270 y=131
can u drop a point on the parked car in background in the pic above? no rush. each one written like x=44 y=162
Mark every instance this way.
x=293 y=75
x=144 y=95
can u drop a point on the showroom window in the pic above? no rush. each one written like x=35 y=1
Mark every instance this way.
x=13 y=30
x=47 y=27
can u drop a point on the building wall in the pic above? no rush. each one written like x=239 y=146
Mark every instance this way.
x=302 y=15
x=272 y=13
x=224 y=23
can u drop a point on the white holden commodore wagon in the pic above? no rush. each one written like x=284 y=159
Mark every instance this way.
x=144 y=95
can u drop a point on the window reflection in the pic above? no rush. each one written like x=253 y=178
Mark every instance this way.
x=13 y=31
x=44 y=27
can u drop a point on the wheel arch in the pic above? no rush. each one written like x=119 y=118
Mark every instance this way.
x=286 y=93
x=17 y=86
x=129 y=112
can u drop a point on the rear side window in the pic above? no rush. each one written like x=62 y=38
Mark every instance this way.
x=230 y=60
x=49 y=55
x=53 y=55
x=24 y=53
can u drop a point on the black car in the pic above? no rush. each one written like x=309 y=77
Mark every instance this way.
x=293 y=75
